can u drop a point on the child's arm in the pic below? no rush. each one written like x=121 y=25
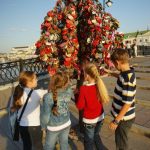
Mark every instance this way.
x=123 y=111
x=41 y=93
x=45 y=111
x=111 y=73
x=114 y=74
x=113 y=125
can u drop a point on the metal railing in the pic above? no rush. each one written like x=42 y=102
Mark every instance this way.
x=143 y=50
x=9 y=71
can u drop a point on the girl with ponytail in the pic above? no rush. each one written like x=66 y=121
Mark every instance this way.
x=29 y=125
x=91 y=99
x=55 y=116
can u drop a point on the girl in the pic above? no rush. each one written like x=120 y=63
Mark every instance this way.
x=30 y=129
x=91 y=97
x=55 y=113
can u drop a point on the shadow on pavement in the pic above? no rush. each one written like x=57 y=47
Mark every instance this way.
x=6 y=142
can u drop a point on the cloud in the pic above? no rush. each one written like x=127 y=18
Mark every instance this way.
x=18 y=29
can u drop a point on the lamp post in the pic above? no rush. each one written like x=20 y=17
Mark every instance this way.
x=108 y=3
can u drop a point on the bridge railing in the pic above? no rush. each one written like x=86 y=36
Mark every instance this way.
x=143 y=50
x=9 y=71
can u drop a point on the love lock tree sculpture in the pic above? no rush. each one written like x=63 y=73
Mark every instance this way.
x=75 y=30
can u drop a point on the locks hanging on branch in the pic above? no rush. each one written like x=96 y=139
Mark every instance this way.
x=75 y=30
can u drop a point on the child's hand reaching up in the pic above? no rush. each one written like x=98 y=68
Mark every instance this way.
x=107 y=71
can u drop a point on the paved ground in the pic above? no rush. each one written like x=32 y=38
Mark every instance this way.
x=136 y=141
x=140 y=135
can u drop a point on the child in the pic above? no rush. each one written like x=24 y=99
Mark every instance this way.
x=29 y=126
x=55 y=113
x=134 y=48
x=129 y=49
x=91 y=97
x=123 y=106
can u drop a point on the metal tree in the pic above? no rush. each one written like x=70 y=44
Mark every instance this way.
x=74 y=30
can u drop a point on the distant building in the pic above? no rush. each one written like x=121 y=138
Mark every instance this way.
x=24 y=52
x=142 y=41
x=2 y=60
x=3 y=57
x=142 y=37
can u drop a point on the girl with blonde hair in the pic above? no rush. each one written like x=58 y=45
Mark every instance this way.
x=91 y=99
x=55 y=117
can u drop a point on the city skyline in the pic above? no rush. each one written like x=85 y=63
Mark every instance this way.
x=21 y=20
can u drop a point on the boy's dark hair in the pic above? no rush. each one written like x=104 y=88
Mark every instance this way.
x=120 y=54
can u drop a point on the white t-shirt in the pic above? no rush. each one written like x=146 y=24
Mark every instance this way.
x=128 y=45
x=31 y=115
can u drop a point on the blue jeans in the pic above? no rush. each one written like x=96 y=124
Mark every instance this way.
x=53 y=136
x=92 y=137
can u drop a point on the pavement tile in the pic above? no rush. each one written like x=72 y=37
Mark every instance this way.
x=107 y=108
x=138 y=142
x=147 y=125
x=109 y=144
x=142 y=94
x=76 y=145
x=105 y=131
x=143 y=83
x=144 y=75
x=142 y=117
x=139 y=108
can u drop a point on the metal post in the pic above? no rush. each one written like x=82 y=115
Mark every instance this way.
x=104 y=6
x=21 y=65
x=103 y=12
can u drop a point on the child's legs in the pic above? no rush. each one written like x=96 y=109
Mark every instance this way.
x=31 y=137
x=25 y=135
x=97 y=138
x=51 y=138
x=89 y=136
x=36 y=137
x=135 y=52
x=63 y=138
x=121 y=134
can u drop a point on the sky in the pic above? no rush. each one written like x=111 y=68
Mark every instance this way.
x=20 y=20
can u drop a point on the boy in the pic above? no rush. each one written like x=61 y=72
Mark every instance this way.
x=123 y=105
